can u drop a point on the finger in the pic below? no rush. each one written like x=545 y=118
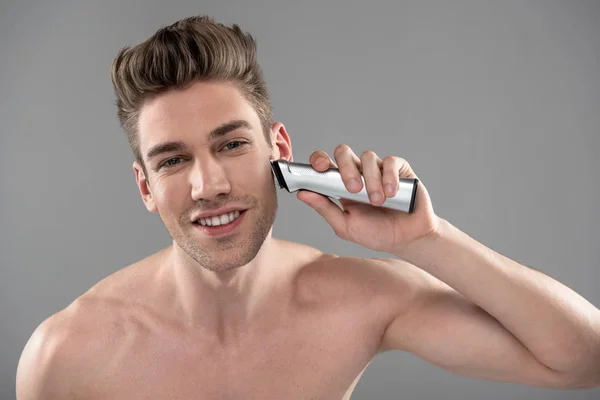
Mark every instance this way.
x=391 y=175
x=321 y=161
x=327 y=209
x=371 y=171
x=349 y=165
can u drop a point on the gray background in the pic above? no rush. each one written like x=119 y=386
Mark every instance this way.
x=495 y=105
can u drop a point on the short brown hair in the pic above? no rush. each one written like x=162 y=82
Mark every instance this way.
x=192 y=49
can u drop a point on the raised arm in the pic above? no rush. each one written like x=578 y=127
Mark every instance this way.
x=479 y=314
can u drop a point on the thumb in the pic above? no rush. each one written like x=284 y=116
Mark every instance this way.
x=326 y=208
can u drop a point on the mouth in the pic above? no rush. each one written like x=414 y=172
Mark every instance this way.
x=226 y=226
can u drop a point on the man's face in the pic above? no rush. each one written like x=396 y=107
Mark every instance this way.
x=205 y=173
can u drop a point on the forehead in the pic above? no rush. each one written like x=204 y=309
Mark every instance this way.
x=190 y=114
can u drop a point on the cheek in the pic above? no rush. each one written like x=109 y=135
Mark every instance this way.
x=169 y=195
x=255 y=178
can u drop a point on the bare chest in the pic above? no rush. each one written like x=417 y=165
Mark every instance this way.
x=320 y=357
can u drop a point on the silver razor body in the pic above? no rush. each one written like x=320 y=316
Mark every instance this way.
x=294 y=176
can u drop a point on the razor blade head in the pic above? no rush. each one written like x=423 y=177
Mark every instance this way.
x=276 y=168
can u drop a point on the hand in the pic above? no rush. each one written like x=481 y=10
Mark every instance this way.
x=374 y=227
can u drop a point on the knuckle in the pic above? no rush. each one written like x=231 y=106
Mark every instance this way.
x=368 y=154
x=340 y=148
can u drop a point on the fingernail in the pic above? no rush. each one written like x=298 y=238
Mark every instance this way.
x=321 y=160
x=389 y=189
x=375 y=197
x=353 y=184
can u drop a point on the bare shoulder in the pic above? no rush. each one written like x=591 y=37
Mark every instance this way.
x=61 y=348
x=366 y=293
x=389 y=284
x=70 y=348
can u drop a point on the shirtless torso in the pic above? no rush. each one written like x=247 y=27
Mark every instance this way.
x=120 y=340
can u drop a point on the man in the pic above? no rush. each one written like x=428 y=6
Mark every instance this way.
x=230 y=312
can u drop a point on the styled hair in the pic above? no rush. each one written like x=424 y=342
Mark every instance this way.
x=192 y=49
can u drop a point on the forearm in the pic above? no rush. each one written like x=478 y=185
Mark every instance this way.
x=558 y=326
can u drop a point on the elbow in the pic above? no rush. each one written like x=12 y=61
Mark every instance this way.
x=585 y=372
x=580 y=382
x=586 y=377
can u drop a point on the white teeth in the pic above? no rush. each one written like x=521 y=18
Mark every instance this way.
x=220 y=219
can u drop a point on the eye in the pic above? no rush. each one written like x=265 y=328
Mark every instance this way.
x=169 y=162
x=235 y=142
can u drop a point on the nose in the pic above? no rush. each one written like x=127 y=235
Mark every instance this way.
x=208 y=179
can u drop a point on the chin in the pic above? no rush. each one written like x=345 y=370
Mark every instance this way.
x=223 y=260
x=227 y=253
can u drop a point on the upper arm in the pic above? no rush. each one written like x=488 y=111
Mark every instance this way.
x=39 y=373
x=443 y=327
x=55 y=358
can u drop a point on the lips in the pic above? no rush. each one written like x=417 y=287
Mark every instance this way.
x=214 y=213
x=229 y=217
x=221 y=230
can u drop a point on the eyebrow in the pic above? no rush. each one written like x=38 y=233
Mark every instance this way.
x=216 y=133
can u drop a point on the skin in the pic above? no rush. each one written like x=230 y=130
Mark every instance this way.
x=248 y=315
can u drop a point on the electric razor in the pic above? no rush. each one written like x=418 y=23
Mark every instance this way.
x=294 y=176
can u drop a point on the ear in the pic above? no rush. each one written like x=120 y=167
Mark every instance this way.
x=282 y=145
x=144 y=188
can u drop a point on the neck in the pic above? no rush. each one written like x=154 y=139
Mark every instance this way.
x=228 y=302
